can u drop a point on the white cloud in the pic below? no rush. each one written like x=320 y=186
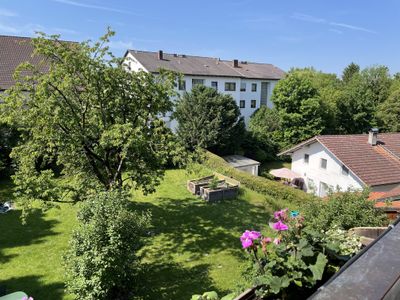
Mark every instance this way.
x=308 y=18
x=92 y=6
x=31 y=28
x=352 y=27
x=313 y=19
x=7 y=13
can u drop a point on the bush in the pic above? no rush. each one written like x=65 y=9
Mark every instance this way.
x=264 y=135
x=210 y=120
x=101 y=262
x=277 y=193
x=345 y=209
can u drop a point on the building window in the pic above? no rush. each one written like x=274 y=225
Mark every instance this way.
x=230 y=86
x=243 y=86
x=242 y=104
x=254 y=87
x=324 y=163
x=197 y=81
x=214 y=84
x=345 y=170
x=182 y=85
x=253 y=103
x=306 y=158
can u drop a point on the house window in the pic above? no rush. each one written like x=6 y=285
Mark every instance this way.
x=306 y=158
x=254 y=87
x=243 y=86
x=230 y=86
x=324 y=162
x=214 y=84
x=182 y=85
x=345 y=170
x=197 y=81
x=242 y=104
x=253 y=103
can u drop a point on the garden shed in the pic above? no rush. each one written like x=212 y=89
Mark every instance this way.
x=243 y=163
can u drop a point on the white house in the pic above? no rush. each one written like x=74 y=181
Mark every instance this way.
x=250 y=84
x=348 y=161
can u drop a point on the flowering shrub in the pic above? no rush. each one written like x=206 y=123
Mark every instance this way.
x=294 y=257
x=342 y=242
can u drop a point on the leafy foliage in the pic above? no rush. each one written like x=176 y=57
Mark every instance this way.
x=8 y=140
x=299 y=106
x=209 y=120
x=212 y=296
x=271 y=189
x=101 y=262
x=344 y=209
x=360 y=98
x=264 y=134
x=83 y=112
x=290 y=261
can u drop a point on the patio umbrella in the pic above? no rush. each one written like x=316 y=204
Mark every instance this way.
x=285 y=173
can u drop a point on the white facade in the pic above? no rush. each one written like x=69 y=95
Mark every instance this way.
x=249 y=96
x=319 y=180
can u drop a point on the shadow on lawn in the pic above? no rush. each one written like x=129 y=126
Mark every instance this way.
x=15 y=234
x=194 y=228
x=191 y=225
x=32 y=286
x=165 y=280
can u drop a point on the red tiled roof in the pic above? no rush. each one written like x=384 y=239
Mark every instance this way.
x=374 y=165
x=390 y=195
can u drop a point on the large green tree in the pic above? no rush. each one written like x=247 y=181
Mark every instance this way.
x=300 y=107
x=210 y=120
x=360 y=98
x=81 y=111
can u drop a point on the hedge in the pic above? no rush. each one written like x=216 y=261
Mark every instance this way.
x=278 y=195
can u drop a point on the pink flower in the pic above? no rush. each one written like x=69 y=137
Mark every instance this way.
x=267 y=240
x=280 y=214
x=254 y=235
x=248 y=238
x=277 y=241
x=246 y=243
x=280 y=226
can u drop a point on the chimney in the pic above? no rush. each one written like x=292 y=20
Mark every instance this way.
x=160 y=55
x=373 y=136
x=236 y=63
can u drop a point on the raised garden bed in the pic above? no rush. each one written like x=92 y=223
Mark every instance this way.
x=222 y=192
x=194 y=185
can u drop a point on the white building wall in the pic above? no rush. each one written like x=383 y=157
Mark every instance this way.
x=247 y=96
x=332 y=175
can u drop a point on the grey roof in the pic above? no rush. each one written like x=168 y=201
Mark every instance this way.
x=240 y=161
x=372 y=274
x=205 y=66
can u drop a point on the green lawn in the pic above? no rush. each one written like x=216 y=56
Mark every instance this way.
x=194 y=246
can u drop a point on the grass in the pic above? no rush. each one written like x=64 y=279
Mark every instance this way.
x=277 y=164
x=30 y=255
x=193 y=247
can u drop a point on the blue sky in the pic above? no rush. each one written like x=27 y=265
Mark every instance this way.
x=327 y=35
